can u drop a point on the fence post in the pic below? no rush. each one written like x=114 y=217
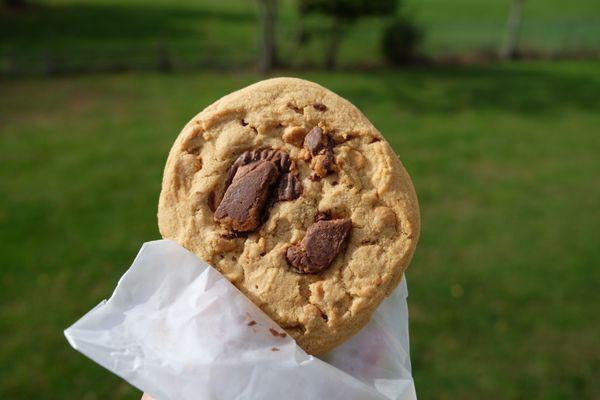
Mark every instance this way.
x=510 y=47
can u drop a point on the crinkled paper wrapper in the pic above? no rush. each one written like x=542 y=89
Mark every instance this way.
x=177 y=329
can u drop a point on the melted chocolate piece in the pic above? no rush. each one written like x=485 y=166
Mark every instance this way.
x=257 y=179
x=320 y=246
x=298 y=259
x=288 y=187
x=245 y=199
x=281 y=159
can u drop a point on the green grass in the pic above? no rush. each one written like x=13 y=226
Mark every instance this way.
x=504 y=298
x=98 y=34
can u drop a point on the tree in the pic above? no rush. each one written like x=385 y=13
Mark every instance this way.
x=268 y=43
x=513 y=27
x=401 y=40
x=342 y=13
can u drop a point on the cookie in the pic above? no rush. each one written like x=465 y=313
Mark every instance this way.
x=294 y=196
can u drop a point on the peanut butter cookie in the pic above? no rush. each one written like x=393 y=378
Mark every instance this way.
x=293 y=195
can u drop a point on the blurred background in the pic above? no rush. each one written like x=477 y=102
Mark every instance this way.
x=493 y=106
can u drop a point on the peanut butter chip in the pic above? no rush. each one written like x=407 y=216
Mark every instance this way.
x=294 y=135
x=321 y=165
x=320 y=246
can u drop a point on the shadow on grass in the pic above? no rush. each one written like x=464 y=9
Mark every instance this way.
x=521 y=91
x=109 y=24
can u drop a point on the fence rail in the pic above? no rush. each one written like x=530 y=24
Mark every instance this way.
x=455 y=40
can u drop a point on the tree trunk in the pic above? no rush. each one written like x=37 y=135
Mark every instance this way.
x=335 y=38
x=268 y=44
x=510 y=48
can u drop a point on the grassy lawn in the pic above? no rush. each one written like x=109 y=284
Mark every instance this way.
x=505 y=162
x=87 y=34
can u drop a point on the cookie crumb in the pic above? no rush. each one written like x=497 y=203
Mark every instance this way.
x=277 y=334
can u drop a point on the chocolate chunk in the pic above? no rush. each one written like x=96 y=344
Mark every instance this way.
x=315 y=141
x=242 y=207
x=281 y=159
x=288 y=187
x=320 y=147
x=245 y=199
x=324 y=240
x=323 y=216
x=320 y=246
x=320 y=107
x=297 y=257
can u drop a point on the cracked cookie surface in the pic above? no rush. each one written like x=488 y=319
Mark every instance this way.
x=247 y=185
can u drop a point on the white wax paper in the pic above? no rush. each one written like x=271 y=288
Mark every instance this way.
x=177 y=329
